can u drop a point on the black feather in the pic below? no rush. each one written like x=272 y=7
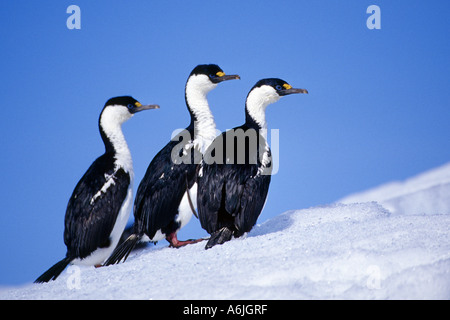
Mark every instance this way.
x=219 y=237
x=160 y=192
x=231 y=195
x=54 y=271
x=162 y=188
x=89 y=222
x=123 y=250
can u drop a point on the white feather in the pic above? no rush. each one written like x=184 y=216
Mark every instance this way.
x=111 y=122
x=197 y=88
x=185 y=210
x=257 y=101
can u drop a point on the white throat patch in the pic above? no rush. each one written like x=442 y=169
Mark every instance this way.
x=111 y=122
x=257 y=102
x=197 y=88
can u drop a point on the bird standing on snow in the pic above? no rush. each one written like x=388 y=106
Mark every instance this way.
x=162 y=205
x=235 y=174
x=100 y=205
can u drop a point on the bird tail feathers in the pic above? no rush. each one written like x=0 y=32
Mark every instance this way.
x=123 y=250
x=219 y=237
x=54 y=271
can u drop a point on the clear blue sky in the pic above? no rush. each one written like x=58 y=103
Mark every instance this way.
x=378 y=108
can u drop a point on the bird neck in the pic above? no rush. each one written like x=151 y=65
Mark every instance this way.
x=255 y=106
x=255 y=113
x=116 y=144
x=202 y=120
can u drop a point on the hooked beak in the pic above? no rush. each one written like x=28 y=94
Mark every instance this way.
x=291 y=91
x=229 y=77
x=137 y=109
x=225 y=78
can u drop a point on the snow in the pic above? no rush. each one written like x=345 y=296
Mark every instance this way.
x=427 y=193
x=391 y=242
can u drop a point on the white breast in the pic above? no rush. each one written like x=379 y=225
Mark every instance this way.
x=184 y=210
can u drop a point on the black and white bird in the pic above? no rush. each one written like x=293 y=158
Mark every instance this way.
x=101 y=202
x=235 y=173
x=162 y=204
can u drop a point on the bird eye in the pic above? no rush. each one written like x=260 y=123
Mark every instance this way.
x=130 y=106
x=278 y=87
x=212 y=75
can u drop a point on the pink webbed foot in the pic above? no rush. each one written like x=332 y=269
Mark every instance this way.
x=175 y=243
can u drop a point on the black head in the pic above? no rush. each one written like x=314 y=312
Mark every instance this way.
x=281 y=87
x=214 y=73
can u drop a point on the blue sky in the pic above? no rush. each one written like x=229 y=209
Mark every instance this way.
x=378 y=107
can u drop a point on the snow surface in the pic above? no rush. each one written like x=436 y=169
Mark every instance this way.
x=391 y=242
x=427 y=193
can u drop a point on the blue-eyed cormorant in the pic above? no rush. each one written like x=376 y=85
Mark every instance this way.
x=162 y=207
x=100 y=205
x=234 y=176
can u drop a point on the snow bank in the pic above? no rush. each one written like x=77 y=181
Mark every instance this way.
x=364 y=250
x=427 y=193
x=355 y=251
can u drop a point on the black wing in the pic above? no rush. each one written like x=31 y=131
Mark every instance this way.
x=160 y=192
x=91 y=213
x=252 y=200
x=210 y=195
x=231 y=195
